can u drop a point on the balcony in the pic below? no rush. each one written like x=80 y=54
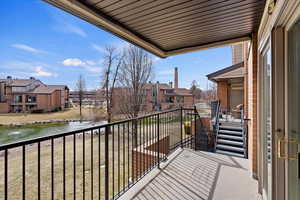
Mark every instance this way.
x=190 y=174
x=142 y=158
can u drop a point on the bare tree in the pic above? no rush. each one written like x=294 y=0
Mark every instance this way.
x=81 y=87
x=135 y=72
x=211 y=93
x=196 y=91
x=112 y=62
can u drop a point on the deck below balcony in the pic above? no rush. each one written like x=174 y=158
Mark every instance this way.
x=189 y=174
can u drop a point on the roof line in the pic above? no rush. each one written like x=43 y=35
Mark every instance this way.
x=101 y=20
x=224 y=70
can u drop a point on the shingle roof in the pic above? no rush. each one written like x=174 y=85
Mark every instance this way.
x=21 y=82
x=234 y=71
x=47 y=89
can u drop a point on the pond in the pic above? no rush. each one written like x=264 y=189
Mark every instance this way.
x=14 y=134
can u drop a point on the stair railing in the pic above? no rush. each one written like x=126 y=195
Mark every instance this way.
x=245 y=132
x=216 y=124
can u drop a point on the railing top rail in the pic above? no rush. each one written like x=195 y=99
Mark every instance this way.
x=59 y=135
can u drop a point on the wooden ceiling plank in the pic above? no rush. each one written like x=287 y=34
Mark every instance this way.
x=203 y=18
x=192 y=27
x=173 y=22
x=210 y=7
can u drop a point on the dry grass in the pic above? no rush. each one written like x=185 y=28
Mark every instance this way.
x=15 y=169
x=62 y=115
x=117 y=143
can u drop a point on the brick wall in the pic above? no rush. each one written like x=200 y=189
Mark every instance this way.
x=4 y=108
x=252 y=106
x=145 y=155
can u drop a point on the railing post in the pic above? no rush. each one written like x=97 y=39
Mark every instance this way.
x=195 y=124
x=106 y=157
x=158 y=151
x=181 y=125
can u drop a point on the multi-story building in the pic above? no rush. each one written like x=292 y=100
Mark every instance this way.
x=95 y=98
x=160 y=96
x=31 y=95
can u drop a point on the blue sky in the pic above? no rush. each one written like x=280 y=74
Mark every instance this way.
x=42 y=41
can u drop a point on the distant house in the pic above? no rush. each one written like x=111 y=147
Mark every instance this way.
x=90 y=98
x=31 y=95
x=160 y=96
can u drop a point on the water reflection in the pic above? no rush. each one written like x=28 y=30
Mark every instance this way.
x=13 y=134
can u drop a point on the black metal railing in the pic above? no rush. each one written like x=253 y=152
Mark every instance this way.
x=100 y=162
x=215 y=114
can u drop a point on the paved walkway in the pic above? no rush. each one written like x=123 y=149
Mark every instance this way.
x=197 y=175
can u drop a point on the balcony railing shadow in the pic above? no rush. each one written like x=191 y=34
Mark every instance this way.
x=188 y=175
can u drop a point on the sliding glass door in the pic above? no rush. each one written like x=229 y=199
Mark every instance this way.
x=293 y=113
x=265 y=123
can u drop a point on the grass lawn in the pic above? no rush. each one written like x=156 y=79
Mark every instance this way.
x=32 y=117
x=122 y=162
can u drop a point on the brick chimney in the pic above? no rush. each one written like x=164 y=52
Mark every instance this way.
x=176 y=78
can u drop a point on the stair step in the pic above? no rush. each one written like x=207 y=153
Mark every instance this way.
x=230 y=153
x=230 y=148
x=234 y=128
x=231 y=132
x=230 y=142
x=230 y=137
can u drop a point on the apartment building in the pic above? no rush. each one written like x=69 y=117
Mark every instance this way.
x=89 y=98
x=31 y=95
x=160 y=96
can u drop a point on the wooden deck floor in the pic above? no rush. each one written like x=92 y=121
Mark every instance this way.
x=200 y=175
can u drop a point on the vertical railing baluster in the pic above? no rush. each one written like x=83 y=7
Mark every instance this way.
x=99 y=163
x=64 y=167
x=5 y=174
x=147 y=143
x=83 y=165
x=195 y=119
x=181 y=126
x=123 y=156
x=92 y=164
x=128 y=159
x=158 y=160
x=143 y=145
x=39 y=171
x=119 y=158
x=106 y=155
x=113 y=160
x=23 y=172
x=52 y=169
x=140 y=146
x=74 y=166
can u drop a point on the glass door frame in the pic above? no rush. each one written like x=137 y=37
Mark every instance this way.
x=265 y=183
x=295 y=17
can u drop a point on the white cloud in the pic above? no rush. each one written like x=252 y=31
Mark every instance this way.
x=73 y=62
x=98 y=48
x=39 y=71
x=27 y=48
x=89 y=65
x=72 y=28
